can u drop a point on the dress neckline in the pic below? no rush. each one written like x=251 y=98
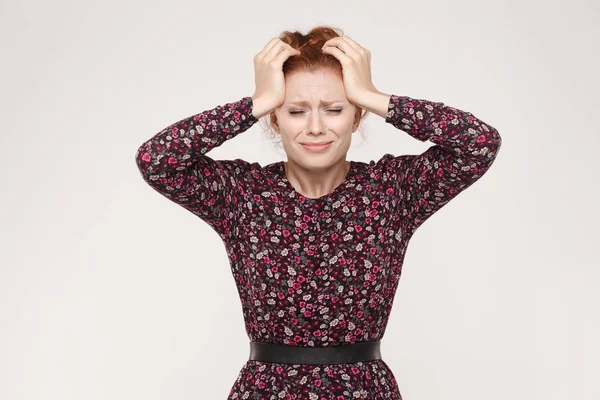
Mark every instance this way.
x=292 y=190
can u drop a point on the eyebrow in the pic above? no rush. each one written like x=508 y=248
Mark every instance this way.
x=306 y=103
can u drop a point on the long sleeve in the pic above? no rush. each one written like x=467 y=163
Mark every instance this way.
x=175 y=164
x=464 y=149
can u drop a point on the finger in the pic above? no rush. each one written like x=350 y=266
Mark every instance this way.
x=359 y=49
x=339 y=54
x=272 y=53
x=285 y=54
x=353 y=44
x=278 y=49
x=343 y=45
x=268 y=47
x=272 y=49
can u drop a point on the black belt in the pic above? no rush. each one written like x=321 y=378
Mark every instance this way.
x=344 y=354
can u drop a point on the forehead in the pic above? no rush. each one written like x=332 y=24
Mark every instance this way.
x=321 y=86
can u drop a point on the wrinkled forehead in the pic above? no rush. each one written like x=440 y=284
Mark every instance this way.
x=314 y=88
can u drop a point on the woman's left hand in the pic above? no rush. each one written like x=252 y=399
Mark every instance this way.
x=356 y=66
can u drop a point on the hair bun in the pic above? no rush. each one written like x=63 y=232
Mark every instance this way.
x=315 y=38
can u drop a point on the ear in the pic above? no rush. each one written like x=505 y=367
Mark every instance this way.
x=356 y=120
x=274 y=123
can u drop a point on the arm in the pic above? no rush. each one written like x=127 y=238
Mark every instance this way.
x=175 y=164
x=464 y=149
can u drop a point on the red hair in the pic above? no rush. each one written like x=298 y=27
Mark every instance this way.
x=312 y=58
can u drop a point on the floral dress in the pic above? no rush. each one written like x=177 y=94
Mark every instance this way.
x=317 y=271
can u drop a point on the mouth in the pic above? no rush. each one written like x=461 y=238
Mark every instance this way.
x=316 y=147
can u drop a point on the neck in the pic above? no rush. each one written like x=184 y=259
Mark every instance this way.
x=315 y=183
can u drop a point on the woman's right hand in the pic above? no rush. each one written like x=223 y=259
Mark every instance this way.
x=268 y=76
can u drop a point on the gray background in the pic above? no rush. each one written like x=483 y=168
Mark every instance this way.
x=110 y=291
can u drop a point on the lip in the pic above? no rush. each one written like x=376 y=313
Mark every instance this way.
x=316 y=147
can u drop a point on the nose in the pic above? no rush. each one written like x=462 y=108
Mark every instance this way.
x=316 y=124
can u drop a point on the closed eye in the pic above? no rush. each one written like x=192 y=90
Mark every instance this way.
x=302 y=112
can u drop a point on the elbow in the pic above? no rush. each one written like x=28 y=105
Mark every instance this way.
x=142 y=159
x=496 y=141
x=491 y=139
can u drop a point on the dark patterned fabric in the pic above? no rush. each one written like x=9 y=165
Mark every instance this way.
x=324 y=271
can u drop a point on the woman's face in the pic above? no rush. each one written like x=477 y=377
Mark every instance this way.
x=315 y=109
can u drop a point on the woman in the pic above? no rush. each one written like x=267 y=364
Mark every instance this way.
x=316 y=244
